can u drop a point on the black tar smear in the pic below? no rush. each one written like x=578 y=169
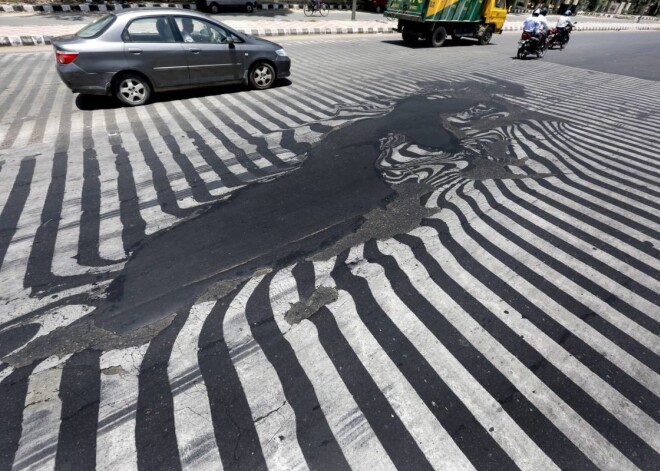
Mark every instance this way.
x=298 y=215
x=271 y=224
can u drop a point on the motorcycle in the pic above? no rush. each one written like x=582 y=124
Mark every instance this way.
x=530 y=44
x=559 y=37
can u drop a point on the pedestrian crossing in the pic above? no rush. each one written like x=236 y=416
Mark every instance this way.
x=516 y=327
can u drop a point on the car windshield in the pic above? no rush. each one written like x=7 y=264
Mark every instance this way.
x=96 y=27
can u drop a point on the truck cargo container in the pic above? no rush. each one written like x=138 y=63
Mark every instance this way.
x=434 y=20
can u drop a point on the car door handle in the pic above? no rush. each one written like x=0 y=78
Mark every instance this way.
x=134 y=50
x=195 y=50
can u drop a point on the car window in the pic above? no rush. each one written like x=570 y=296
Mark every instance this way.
x=97 y=27
x=198 y=31
x=149 y=30
x=500 y=4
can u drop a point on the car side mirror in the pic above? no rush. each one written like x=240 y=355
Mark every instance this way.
x=230 y=41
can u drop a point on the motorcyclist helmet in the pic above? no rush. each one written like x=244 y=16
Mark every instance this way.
x=544 y=11
x=567 y=13
x=536 y=12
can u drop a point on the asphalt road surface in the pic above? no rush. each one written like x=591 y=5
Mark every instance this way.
x=401 y=257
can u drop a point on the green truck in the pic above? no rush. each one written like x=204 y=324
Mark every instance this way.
x=434 y=20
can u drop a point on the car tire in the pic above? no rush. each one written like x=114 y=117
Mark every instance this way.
x=132 y=89
x=409 y=39
x=486 y=36
x=262 y=76
x=438 y=37
x=215 y=8
x=249 y=8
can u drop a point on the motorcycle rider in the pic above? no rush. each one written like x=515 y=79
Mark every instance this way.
x=534 y=27
x=531 y=24
x=564 y=24
x=544 y=28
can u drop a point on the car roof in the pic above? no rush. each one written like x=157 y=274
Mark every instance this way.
x=158 y=11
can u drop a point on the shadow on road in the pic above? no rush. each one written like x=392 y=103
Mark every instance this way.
x=96 y=102
x=421 y=44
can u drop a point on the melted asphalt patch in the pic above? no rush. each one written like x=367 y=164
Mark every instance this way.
x=268 y=225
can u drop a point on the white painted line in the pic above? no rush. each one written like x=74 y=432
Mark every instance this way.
x=355 y=436
x=192 y=413
x=115 y=437
x=262 y=387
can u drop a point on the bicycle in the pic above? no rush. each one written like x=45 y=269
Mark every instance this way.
x=310 y=8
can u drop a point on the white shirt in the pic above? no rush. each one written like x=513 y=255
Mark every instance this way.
x=564 y=21
x=531 y=24
x=544 y=23
x=187 y=38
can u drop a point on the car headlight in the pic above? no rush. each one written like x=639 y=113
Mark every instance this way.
x=281 y=52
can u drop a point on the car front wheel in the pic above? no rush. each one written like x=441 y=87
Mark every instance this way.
x=132 y=89
x=262 y=75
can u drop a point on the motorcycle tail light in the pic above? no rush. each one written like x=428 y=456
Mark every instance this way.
x=65 y=57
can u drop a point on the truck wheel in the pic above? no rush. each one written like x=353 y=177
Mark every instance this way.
x=438 y=37
x=409 y=39
x=486 y=36
x=215 y=8
x=249 y=8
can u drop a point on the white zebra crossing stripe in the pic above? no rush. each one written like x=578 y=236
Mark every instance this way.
x=484 y=407
x=598 y=449
x=110 y=229
x=115 y=442
x=601 y=391
x=271 y=412
x=41 y=417
x=192 y=415
x=433 y=440
x=354 y=434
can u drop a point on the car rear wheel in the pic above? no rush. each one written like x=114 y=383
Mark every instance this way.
x=132 y=89
x=249 y=8
x=262 y=75
x=215 y=8
x=438 y=37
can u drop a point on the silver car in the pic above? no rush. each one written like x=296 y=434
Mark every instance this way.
x=131 y=54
